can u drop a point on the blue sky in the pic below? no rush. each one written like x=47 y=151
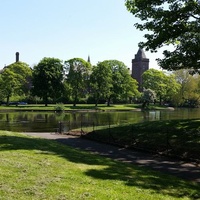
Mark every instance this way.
x=67 y=29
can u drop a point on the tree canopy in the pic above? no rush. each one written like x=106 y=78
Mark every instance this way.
x=170 y=22
x=189 y=93
x=77 y=73
x=100 y=81
x=15 y=80
x=163 y=85
x=119 y=84
x=124 y=86
x=48 y=79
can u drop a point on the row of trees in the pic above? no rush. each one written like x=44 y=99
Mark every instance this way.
x=51 y=80
x=179 y=88
x=75 y=79
x=169 y=22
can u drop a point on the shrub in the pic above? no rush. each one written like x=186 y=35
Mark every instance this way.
x=59 y=107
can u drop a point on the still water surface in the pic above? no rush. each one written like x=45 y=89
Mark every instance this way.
x=49 y=121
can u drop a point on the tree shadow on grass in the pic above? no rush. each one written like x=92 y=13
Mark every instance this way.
x=146 y=179
x=129 y=174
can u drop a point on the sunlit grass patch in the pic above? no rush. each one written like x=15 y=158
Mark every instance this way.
x=34 y=168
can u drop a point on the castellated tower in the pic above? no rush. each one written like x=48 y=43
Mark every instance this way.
x=139 y=65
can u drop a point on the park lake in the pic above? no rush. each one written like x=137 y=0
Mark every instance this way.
x=49 y=121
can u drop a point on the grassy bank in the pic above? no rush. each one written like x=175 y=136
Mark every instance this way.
x=33 y=168
x=70 y=107
x=180 y=138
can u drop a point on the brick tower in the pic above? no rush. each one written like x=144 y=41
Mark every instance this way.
x=139 y=65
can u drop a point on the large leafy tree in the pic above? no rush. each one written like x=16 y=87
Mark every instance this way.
x=184 y=79
x=155 y=80
x=15 y=80
x=24 y=73
x=77 y=72
x=121 y=86
x=9 y=84
x=130 y=90
x=100 y=81
x=124 y=86
x=164 y=85
x=172 y=88
x=48 y=79
x=170 y=22
x=189 y=93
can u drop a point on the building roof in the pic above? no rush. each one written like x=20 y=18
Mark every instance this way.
x=141 y=53
x=140 y=56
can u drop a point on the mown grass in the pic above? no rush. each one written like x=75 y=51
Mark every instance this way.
x=34 y=168
x=70 y=107
x=180 y=138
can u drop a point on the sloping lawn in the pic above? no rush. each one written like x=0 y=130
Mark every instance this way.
x=37 y=169
x=180 y=138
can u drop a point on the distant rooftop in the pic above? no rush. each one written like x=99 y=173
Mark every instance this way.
x=141 y=53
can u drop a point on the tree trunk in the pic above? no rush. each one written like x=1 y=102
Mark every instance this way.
x=7 y=100
x=144 y=104
x=108 y=102
x=96 y=103
x=75 y=99
x=160 y=100
x=46 y=101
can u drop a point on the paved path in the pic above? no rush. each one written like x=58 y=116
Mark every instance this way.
x=189 y=171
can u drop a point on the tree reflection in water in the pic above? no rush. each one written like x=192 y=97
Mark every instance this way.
x=48 y=121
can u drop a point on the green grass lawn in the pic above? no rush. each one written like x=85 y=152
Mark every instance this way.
x=36 y=169
x=180 y=138
x=70 y=107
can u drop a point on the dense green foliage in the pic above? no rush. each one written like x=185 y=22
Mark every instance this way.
x=148 y=96
x=76 y=81
x=15 y=79
x=170 y=22
x=77 y=72
x=165 y=86
x=48 y=79
x=100 y=82
x=111 y=80
x=124 y=87
x=189 y=92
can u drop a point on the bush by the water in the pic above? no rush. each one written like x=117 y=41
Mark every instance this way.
x=59 y=107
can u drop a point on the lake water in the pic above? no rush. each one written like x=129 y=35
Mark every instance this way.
x=49 y=121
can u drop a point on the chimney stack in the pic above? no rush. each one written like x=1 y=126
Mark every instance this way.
x=17 y=56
